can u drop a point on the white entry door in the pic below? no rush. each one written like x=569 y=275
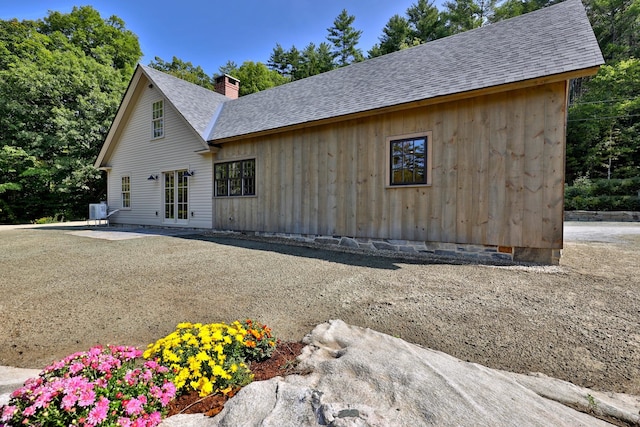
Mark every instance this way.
x=176 y=197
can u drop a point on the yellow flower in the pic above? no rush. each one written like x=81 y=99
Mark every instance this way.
x=216 y=336
x=183 y=325
x=202 y=356
x=206 y=387
x=234 y=368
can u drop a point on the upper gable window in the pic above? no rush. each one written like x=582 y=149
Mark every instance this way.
x=158 y=119
x=410 y=160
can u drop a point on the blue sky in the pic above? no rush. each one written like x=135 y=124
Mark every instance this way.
x=209 y=33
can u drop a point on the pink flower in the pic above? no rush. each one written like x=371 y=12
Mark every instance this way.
x=68 y=401
x=133 y=406
x=169 y=393
x=87 y=397
x=99 y=412
x=75 y=368
x=155 y=418
x=124 y=422
x=139 y=422
x=8 y=412
x=146 y=375
x=29 y=410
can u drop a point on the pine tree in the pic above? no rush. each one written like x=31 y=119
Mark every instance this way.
x=345 y=38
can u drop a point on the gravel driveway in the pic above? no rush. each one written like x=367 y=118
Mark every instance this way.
x=63 y=291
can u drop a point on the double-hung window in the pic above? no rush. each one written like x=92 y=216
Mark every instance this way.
x=236 y=178
x=410 y=160
x=157 y=119
x=125 y=191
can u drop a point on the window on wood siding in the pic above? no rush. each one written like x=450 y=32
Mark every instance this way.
x=409 y=160
x=157 y=115
x=125 y=188
x=236 y=178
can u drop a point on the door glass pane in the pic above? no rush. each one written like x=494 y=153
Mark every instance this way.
x=169 y=195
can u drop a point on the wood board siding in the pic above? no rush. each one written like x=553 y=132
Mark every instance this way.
x=497 y=175
x=136 y=154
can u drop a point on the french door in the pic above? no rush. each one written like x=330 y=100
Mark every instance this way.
x=176 y=197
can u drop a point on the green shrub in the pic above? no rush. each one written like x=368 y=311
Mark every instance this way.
x=603 y=194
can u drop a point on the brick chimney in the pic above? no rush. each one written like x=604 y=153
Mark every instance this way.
x=227 y=86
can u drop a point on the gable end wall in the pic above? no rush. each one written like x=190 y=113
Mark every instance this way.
x=137 y=154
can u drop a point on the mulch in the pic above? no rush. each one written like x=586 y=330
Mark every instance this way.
x=282 y=362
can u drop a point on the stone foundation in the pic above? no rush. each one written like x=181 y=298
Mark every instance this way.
x=614 y=216
x=485 y=253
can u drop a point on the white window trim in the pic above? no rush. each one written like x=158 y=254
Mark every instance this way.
x=428 y=164
x=161 y=119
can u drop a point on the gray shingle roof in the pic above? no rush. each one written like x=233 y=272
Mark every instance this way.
x=550 y=41
x=195 y=103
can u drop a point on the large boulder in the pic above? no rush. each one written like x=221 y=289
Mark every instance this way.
x=352 y=376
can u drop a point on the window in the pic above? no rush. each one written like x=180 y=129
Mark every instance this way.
x=236 y=178
x=410 y=160
x=126 y=192
x=158 y=119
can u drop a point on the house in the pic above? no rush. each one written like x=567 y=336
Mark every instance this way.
x=452 y=147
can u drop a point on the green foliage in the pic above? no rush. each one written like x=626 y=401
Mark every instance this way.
x=603 y=124
x=603 y=194
x=61 y=81
x=345 y=38
x=512 y=8
x=185 y=71
x=463 y=15
x=396 y=35
x=49 y=219
x=423 y=23
x=254 y=77
x=295 y=65
x=426 y=22
x=616 y=24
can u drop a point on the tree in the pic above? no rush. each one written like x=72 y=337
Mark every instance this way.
x=229 y=68
x=255 y=77
x=279 y=60
x=603 y=124
x=396 y=35
x=465 y=15
x=105 y=40
x=61 y=82
x=616 y=24
x=184 y=70
x=426 y=21
x=345 y=39
x=512 y=8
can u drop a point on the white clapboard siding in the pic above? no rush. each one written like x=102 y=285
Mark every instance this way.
x=138 y=155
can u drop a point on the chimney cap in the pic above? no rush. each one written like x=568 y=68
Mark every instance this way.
x=230 y=78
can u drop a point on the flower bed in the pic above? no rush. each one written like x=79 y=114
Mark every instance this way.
x=196 y=368
x=97 y=387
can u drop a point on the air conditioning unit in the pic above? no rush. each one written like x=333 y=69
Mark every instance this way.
x=97 y=211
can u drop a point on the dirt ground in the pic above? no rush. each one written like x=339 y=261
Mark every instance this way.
x=580 y=322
